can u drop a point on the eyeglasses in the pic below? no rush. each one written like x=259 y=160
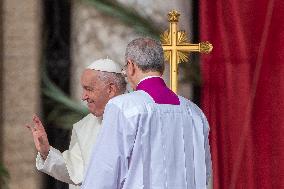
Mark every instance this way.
x=123 y=71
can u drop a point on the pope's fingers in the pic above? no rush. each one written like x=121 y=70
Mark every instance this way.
x=39 y=139
x=37 y=122
x=36 y=119
x=30 y=128
x=39 y=132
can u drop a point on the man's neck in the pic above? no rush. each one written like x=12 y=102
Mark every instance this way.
x=147 y=75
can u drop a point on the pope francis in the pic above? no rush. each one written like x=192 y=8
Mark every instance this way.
x=101 y=81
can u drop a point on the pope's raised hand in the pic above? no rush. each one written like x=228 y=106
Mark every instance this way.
x=40 y=137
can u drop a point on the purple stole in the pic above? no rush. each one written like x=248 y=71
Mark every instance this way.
x=158 y=90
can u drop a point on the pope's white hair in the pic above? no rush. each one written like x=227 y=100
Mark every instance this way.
x=116 y=78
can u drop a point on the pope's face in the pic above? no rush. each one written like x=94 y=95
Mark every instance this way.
x=94 y=92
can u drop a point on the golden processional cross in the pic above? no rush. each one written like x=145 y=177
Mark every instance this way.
x=176 y=47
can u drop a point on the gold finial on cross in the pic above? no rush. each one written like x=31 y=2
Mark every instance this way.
x=176 y=47
x=173 y=16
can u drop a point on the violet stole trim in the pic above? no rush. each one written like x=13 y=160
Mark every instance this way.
x=159 y=91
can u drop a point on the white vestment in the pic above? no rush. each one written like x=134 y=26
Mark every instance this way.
x=144 y=145
x=71 y=165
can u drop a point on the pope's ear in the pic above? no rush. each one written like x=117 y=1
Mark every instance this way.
x=112 y=90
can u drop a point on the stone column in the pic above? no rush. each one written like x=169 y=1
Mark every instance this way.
x=1 y=87
x=20 y=89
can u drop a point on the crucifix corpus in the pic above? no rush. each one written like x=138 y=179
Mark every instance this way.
x=176 y=47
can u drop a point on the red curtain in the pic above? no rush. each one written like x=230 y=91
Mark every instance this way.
x=243 y=91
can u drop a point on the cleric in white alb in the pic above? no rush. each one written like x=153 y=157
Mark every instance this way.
x=101 y=81
x=151 y=138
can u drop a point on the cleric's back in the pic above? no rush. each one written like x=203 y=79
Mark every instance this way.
x=166 y=145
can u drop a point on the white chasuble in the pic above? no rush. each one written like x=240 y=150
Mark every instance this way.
x=70 y=165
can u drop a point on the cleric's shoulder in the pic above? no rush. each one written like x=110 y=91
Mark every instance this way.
x=191 y=105
x=131 y=99
x=131 y=104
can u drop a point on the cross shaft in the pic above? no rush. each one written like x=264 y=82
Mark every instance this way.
x=176 y=48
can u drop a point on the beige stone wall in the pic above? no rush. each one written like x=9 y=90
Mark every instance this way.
x=20 y=90
x=96 y=35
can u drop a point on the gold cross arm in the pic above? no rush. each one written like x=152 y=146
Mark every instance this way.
x=176 y=47
x=189 y=47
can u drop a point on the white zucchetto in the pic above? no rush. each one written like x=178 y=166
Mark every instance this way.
x=105 y=65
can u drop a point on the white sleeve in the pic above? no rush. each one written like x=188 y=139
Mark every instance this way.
x=67 y=166
x=54 y=165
